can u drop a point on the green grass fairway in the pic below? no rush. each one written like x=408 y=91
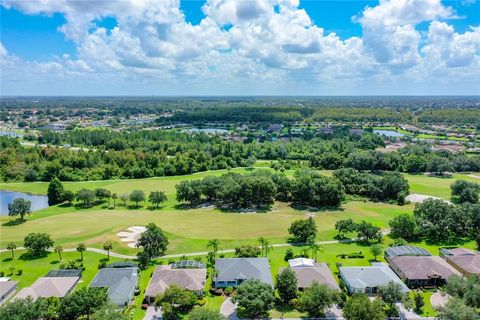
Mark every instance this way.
x=188 y=230
x=438 y=187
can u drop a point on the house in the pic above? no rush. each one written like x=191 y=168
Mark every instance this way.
x=326 y=130
x=121 y=283
x=368 y=279
x=7 y=289
x=191 y=279
x=464 y=260
x=275 y=127
x=356 y=132
x=231 y=272
x=422 y=271
x=46 y=287
x=308 y=271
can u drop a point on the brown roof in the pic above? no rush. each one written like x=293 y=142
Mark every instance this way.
x=48 y=287
x=318 y=273
x=461 y=251
x=423 y=267
x=468 y=263
x=165 y=276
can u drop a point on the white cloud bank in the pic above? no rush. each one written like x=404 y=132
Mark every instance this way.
x=248 y=47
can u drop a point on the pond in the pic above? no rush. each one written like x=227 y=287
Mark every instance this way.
x=6 y=197
x=389 y=133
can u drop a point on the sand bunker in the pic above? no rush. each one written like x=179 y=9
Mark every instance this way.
x=419 y=198
x=131 y=235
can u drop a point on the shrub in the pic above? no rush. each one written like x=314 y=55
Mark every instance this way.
x=19 y=272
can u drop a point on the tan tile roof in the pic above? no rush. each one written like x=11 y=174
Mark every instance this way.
x=48 y=287
x=423 y=267
x=165 y=276
x=469 y=263
x=318 y=273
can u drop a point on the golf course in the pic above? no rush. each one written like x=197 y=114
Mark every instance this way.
x=190 y=228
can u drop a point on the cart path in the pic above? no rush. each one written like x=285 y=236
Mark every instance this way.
x=201 y=253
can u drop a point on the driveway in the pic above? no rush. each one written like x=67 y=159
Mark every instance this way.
x=229 y=309
x=152 y=314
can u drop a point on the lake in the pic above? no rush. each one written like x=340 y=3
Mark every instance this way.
x=389 y=133
x=6 y=197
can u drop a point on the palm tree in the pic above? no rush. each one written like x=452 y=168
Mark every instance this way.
x=314 y=248
x=214 y=244
x=107 y=246
x=80 y=248
x=262 y=242
x=12 y=246
x=59 y=250
x=266 y=247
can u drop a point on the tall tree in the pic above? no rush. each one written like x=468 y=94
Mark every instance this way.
x=157 y=197
x=137 y=196
x=153 y=241
x=254 y=299
x=286 y=285
x=303 y=230
x=359 y=307
x=19 y=207
x=83 y=302
x=37 y=243
x=55 y=192
x=316 y=299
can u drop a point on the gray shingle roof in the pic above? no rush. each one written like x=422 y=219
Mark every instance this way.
x=377 y=275
x=121 y=283
x=243 y=268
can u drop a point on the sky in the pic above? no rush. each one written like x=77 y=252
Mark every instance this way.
x=239 y=47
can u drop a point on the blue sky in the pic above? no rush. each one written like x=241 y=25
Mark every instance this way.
x=53 y=36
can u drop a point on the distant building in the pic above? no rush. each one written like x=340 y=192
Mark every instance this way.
x=275 y=127
x=308 y=271
x=356 y=132
x=464 y=260
x=56 y=126
x=326 y=130
x=369 y=279
x=232 y=272
x=120 y=282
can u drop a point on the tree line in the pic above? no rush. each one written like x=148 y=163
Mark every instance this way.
x=262 y=187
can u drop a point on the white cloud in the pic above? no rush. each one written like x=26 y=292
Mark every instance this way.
x=269 y=45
